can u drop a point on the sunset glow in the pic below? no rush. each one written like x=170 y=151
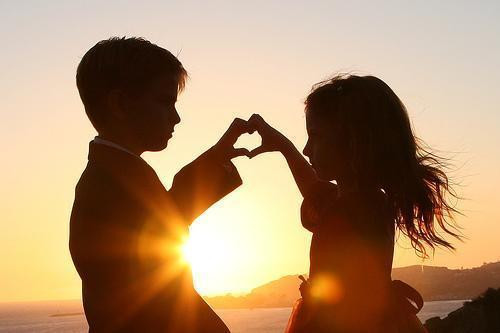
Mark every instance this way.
x=242 y=58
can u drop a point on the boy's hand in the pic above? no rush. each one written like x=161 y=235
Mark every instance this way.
x=224 y=148
x=272 y=139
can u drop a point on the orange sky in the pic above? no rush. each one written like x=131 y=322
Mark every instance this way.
x=242 y=58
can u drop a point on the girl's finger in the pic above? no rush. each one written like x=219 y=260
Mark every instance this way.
x=239 y=152
x=257 y=151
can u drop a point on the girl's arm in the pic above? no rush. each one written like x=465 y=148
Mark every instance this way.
x=272 y=140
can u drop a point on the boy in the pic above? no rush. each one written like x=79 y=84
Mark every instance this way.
x=126 y=228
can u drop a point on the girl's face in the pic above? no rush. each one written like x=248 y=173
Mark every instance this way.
x=324 y=147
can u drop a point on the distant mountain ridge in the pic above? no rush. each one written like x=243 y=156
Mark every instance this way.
x=434 y=283
x=441 y=283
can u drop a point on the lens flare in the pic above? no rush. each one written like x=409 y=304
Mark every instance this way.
x=326 y=288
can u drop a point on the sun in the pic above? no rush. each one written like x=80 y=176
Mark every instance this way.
x=191 y=251
x=213 y=255
x=205 y=252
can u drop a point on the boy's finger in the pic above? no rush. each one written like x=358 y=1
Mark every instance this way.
x=240 y=126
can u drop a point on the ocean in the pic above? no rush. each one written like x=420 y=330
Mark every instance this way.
x=67 y=316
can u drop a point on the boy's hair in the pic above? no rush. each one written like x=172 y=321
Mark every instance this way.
x=382 y=150
x=129 y=64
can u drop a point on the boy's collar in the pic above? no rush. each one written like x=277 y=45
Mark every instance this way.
x=108 y=143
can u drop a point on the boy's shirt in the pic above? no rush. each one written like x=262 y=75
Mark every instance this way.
x=125 y=238
x=108 y=143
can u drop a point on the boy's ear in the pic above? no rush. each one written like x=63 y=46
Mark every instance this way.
x=116 y=103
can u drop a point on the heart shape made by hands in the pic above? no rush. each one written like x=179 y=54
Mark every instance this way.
x=249 y=141
x=239 y=133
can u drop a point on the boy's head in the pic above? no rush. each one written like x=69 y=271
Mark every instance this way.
x=129 y=88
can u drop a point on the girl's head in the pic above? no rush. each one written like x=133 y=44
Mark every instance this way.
x=360 y=134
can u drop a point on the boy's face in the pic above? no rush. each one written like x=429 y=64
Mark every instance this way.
x=152 y=114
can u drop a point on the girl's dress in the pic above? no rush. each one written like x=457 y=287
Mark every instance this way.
x=350 y=287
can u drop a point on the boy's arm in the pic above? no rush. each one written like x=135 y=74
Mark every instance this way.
x=203 y=182
x=211 y=176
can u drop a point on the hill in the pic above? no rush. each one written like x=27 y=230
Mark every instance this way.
x=441 y=283
x=279 y=293
x=434 y=283
x=479 y=315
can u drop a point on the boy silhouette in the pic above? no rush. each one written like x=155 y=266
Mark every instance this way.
x=126 y=229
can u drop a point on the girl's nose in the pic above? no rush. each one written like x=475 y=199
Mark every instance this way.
x=307 y=150
x=177 y=118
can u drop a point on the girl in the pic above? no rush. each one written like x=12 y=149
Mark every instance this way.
x=361 y=137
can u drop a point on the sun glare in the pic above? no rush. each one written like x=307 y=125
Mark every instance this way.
x=213 y=254
x=204 y=252
x=188 y=250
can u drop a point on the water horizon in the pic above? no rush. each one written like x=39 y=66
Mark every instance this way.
x=67 y=316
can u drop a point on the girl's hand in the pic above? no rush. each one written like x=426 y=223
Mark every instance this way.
x=272 y=139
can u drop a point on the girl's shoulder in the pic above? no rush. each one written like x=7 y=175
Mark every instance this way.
x=323 y=204
x=316 y=203
x=365 y=200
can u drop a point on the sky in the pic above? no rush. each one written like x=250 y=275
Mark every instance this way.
x=442 y=59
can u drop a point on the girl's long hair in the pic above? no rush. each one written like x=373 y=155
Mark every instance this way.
x=382 y=150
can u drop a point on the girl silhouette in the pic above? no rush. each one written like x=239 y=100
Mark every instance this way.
x=360 y=136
